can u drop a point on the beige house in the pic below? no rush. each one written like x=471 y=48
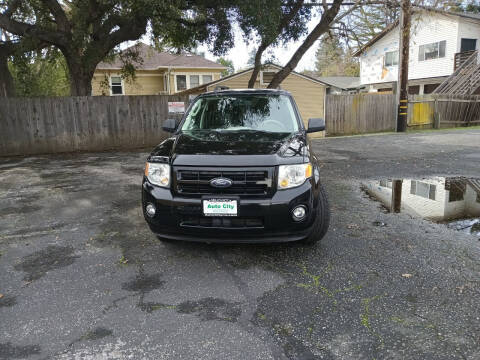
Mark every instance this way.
x=308 y=92
x=157 y=73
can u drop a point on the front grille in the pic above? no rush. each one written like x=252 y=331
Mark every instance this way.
x=222 y=222
x=255 y=183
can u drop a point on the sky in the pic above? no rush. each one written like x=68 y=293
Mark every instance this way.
x=239 y=54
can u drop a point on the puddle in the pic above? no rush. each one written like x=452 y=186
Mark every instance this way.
x=453 y=201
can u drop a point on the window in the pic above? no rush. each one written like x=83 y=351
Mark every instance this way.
x=386 y=183
x=266 y=77
x=250 y=116
x=429 y=88
x=190 y=80
x=206 y=79
x=414 y=90
x=181 y=82
x=432 y=51
x=391 y=58
x=468 y=45
x=194 y=81
x=116 y=87
x=423 y=189
x=456 y=190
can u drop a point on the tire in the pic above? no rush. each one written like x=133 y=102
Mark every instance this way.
x=322 y=220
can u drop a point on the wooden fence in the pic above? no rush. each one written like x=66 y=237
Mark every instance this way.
x=367 y=113
x=359 y=113
x=64 y=124
x=443 y=111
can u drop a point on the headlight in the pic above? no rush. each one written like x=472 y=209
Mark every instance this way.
x=293 y=175
x=158 y=174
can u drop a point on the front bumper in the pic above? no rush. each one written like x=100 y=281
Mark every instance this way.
x=275 y=214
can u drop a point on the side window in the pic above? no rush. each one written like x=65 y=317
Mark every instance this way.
x=391 y=58
x=266 y=77
x=194 y=81
x=116 y=86
x=425 y=190
x=432 y=51
x=468 y=45
x=386 y=183
x=206 y=79
x=181 y=82
x=457 y=190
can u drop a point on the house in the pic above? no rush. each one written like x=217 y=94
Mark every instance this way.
x=308 y=92
x=340 y=84
x=156 y=73
x=440 y=42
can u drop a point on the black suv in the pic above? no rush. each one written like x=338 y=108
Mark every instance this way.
x=238 y=168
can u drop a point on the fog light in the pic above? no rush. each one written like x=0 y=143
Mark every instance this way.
x=299 y=213
x=150 y=210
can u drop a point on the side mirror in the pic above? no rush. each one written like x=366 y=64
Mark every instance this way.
x=315 y=124
x=169 y=125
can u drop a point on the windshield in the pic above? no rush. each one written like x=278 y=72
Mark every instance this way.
x=255 y=112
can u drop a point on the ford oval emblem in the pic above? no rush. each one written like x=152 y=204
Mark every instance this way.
x=221 y=182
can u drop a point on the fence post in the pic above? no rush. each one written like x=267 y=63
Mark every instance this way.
x=436 y=115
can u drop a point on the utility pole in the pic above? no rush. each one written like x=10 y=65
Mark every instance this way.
x=396 y=205
x=404 y=54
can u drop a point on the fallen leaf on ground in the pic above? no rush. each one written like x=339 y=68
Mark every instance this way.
x=1 y=295
x=407 y=275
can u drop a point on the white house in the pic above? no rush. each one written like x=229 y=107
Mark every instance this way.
x=440 y=41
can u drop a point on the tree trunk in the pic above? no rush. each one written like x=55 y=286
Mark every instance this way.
x=257 y=65
x=322 y=27
x=7 y=89
x=80 y=77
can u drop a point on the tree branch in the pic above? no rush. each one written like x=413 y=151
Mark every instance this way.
x=322 y=27
x=59 y=15
x=24 y=29
x=12 y=7
x=284 y=22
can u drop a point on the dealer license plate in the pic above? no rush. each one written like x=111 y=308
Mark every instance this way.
x=220 y=207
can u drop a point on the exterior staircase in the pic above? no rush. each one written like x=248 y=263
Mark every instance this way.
x=465 y=80
x=475 y=184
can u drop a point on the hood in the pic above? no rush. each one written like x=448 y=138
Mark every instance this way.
x=210 y=148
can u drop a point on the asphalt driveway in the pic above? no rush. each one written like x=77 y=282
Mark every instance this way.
x=82 y=277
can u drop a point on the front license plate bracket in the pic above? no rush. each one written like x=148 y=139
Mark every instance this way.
x=220 y=207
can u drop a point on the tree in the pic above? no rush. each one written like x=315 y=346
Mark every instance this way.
x=472 y=6
x=228 y=64
x=40 y=73
x=7 y=88
x=328 y=16
x=86 y=31
x=11 y=45
x=274 y=22
x=332 y=59
x=251 y=57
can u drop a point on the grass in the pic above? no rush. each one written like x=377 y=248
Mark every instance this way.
x=366 y=316
x=123 y=260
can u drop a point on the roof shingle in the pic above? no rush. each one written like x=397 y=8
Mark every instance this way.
x=153 y=59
